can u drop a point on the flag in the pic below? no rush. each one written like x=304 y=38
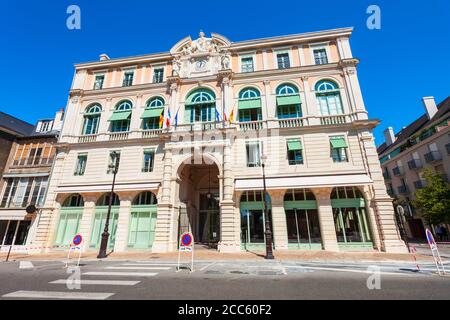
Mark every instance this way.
x=169 y=118
x=232 y=116
x=176 y=119
x=161 y=119
x=217 y=116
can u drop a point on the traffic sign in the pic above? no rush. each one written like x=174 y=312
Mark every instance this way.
x=186 y=245
x=77 y=240
x=435 y=251
x=186 y=240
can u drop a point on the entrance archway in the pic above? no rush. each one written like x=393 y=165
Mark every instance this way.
x=199 y=197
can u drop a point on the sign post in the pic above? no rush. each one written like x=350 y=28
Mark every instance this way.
x=77 y=244
x=435 y=252
x=186 y=245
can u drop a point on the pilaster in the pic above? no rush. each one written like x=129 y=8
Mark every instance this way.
x=326 y=219
x=279 y=223
x=123 y=222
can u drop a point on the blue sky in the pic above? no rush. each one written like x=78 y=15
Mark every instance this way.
x=405 y=60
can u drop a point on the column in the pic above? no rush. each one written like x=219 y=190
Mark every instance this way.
x=123 y=221
x=326 y=220
x=279 y=225
x=87 y=218
x=229 y=220
x=166 y=232
x=380 y=201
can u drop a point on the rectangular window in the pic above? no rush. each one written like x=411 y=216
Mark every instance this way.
x=120 y=125
x=320 y=56
x=98 y=84
x=44 y=126
x=128 y=79
x=283 y=60
x=247 y=64
x=158 y=75
x=20 y=192
x=339 y=149
x=250 y=115
x=148 y=161
x=114 y=161
x=253 y=154
x=81 y=164
x=295 y=152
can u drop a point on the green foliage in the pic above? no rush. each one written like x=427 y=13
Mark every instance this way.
x=434 y=199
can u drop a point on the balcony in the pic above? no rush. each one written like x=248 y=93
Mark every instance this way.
x=403 y=190
x=251 y=125
x=154 y=133
x=415 y=164
x=87 y=138
x=433 y=156
x=333 y=120
x=398 y=171
x=291 y=123
x=420 y=184
x=447 y=146
x=118 y=136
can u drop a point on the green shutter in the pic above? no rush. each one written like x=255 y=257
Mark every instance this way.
x=187 y=114
x=338 y=142
x=288 y=100
x=249 y=104
x=294 y=145
x=152 y=113
x=122 y=115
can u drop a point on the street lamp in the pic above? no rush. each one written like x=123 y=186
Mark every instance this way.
x=105 y=235
x=268 y=233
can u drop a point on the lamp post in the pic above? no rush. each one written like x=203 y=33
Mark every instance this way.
x=268 y=233
x=105 y=235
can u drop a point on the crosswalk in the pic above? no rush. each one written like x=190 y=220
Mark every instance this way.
x=121 y=275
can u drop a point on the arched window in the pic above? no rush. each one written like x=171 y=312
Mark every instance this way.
x=145 y=199
x=74 y=200
x=288 y=102
x=120 y=119
x=286 y=89
x=200 y=106
x=92 y=119
x=350 y=217
x=302 y=219
x=156 y=102
x=104 y=200
x=329 y=98
x=249 y=105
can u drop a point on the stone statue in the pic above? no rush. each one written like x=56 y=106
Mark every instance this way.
x=176 y=67
x=226 y=65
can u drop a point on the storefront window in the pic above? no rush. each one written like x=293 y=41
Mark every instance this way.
x=252 y=217
x=69 y=220
x=143 y=221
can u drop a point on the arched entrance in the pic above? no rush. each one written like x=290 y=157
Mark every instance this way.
x=199 y=196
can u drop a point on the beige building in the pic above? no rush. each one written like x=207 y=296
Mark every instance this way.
x=425 y=143
x=190 y=129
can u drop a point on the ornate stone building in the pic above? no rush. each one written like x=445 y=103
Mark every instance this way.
x=190 y=129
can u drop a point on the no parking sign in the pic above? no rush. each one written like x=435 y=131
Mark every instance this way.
x=186 y=245
x=77 y=244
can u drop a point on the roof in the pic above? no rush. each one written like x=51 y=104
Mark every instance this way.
x=417 y=125
x=14 y=125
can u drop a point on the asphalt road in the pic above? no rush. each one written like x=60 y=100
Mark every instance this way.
x=260 y=280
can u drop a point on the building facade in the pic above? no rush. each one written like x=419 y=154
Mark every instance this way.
x=24 y=181
x=425 y=143
x=190 y=129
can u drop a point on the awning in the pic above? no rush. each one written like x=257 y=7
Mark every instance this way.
x=12 y=214
x=122 y=115
x=107 y=187
x=152 y=113
x=294 y=145
x=288 y=100
x=249 y=104
x=338 y=142
x=303 y=182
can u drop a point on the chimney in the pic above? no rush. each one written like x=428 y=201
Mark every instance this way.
x=59 y=117
x=430 y=106
x=104 y=57
x=389 y=136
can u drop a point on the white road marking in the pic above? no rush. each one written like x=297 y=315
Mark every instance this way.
x=98 y=282
x=25 y=265
x=347 y=270
x=207 y=266
x=58 y=295
x=151 y=264
x=119 y=274
x=139 y=268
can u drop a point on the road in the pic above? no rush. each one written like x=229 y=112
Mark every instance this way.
x=242 y=280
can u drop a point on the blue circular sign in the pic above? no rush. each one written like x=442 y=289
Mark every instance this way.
x=186 y=240
x=77 y=239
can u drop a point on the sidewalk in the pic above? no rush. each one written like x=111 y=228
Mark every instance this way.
x=212 y=255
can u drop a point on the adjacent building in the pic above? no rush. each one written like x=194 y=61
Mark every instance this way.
x=425 y=143
x=25 y=178
x=190 y=129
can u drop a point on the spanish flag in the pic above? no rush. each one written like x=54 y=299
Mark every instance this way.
x=232 y=116
x=161 y=119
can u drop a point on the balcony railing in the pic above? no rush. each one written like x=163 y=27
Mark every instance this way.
x=433 y=156
x=331 y=120
x=420 y=184
x=251 y=125
x=153 y=133
x=88 y=138
x=403 y=190
x=447 y=146
x=398 y=171
x=117 y=136
x=415 y=164
x=291 y=123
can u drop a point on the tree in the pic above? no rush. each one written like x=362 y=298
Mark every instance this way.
x=434 y=199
